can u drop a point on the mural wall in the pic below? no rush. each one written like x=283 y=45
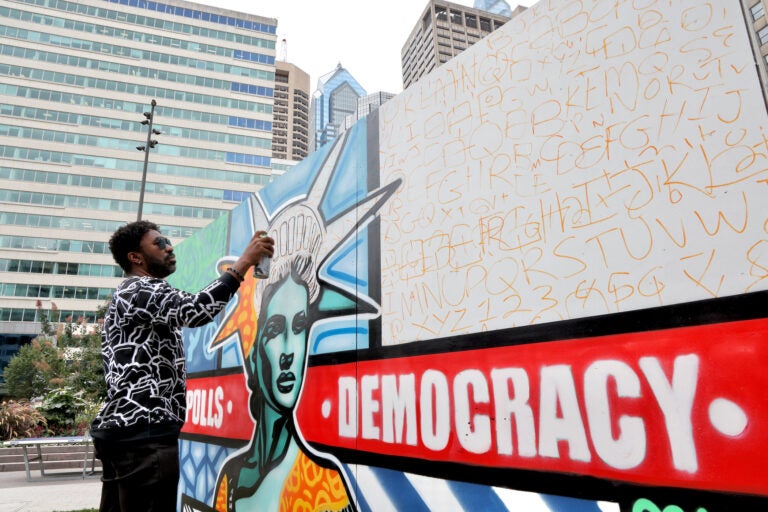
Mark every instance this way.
x=536 y=280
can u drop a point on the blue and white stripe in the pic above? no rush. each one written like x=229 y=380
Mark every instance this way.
x=385 y=490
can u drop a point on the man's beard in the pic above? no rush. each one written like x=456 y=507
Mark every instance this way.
x=161 y=269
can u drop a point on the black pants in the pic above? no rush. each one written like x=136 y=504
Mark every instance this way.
x=139 y=476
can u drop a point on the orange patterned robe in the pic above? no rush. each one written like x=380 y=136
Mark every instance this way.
x=308 y=488
x=312 y=488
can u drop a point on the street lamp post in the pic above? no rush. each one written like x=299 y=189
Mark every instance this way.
x=149 y=145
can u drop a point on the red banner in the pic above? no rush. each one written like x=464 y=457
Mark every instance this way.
x=681 y=407
x=218 y=407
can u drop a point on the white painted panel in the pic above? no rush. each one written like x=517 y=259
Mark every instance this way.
x=587 y=158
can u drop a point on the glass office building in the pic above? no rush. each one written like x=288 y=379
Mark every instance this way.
x=76 y=77
x=365 y=105
x=334 y=99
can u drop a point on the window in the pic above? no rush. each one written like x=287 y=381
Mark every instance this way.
x=762 y=34
x=757 y=10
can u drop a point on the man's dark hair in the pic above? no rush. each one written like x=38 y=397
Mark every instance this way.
x=128 y=239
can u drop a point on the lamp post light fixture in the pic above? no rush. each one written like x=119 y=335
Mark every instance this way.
x=149 y=117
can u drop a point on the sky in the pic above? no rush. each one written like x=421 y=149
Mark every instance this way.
x=364 y=36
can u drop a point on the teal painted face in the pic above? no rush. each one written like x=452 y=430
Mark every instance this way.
x=283 y=344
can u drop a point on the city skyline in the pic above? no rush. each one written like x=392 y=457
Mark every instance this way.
x=297 y=23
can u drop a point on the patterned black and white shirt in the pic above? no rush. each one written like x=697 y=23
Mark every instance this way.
x=143 y=355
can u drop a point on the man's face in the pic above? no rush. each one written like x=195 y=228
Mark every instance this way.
x=157 y=252
x=282 y=344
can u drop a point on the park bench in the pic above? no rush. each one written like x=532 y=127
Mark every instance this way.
x=32 y=449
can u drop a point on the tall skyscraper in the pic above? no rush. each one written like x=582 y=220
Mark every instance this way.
x=290 y=133
x=334 y=99
x=76 y=77
x=499 y=7
x=443 y=31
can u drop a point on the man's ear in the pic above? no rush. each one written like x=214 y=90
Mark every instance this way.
x=135 y=258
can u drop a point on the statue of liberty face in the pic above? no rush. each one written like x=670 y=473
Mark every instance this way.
x=282 y=344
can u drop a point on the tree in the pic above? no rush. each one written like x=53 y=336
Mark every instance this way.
x=46 y=327
x=64 y=369
x=34 y=370
x=102 y=309
x=87 y=368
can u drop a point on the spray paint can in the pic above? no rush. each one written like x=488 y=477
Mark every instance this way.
x=261 y=269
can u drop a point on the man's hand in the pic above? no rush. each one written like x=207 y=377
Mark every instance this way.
x=260 y=245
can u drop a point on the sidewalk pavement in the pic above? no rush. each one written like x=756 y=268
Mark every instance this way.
x=58 y=492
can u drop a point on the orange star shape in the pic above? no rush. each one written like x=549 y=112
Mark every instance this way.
x=242 y=319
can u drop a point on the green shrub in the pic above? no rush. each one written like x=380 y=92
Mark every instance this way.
x=34 y=370
x=61 y=408
x=85 y=417
x=86 y=367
